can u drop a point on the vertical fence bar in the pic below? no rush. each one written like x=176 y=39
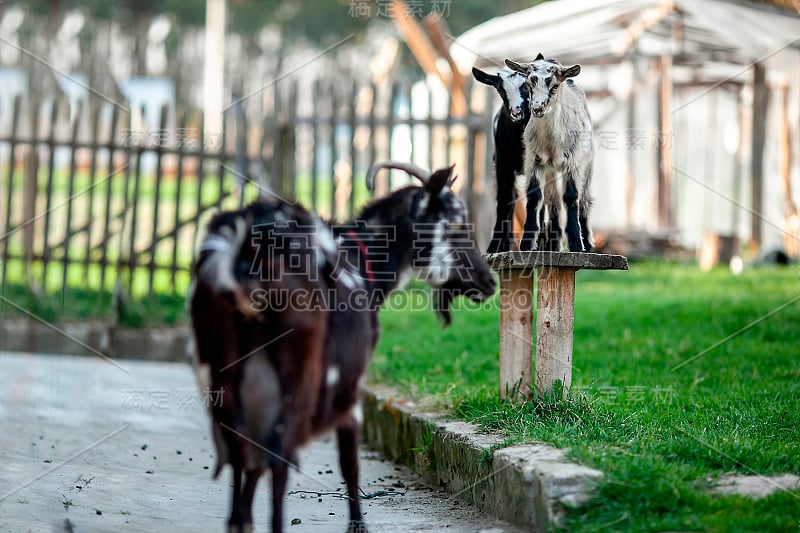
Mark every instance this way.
x=93 y=146
x=431 y=128
x=7 y=231
x=277 y=145
x=137 y=177
x=70 y=194
x=30 y=192
x=472 y=190
x=51 y=144
x=240 y=150
x=315 y=131
x=267 y=127
x=105 y=243
x=159 y=151
x=179 y=145
x=351 y=120
x=448 y=147
x=290 y=178
x=221 y=167
x=201 y=160
x=333 y=150
x=390 y=123
x=129 y=162
x=372 y=144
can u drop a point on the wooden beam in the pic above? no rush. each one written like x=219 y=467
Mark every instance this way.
x=759 y=117
x=416 y=39
x=664 y=188
x=791 y=237
x=578 y=260
x=630 y=159
x=646 y=19
x=438 y=33
x=743 y=126
x=784 y=147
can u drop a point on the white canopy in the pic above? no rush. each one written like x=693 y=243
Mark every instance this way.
x=603 y=30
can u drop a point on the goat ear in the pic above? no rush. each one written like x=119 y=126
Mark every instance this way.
x=438 y=180
x=516 y=66
x=540 y=56
x=483 y=77
x=570 y=72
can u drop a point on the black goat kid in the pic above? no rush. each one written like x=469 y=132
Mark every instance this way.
x=507 y=129
x=284 y=313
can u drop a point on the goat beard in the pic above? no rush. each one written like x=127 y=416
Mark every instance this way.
x=443 y=299
x=444 y=296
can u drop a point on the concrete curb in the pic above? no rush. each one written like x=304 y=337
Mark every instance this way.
x=531 y=485
x=84 y=338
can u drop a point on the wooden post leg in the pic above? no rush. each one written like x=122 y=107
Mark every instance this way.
x=554 y=323
x=516 y=330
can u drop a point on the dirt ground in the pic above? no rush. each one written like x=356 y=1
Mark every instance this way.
x=90 y=445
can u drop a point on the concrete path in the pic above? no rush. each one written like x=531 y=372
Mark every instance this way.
x=91 y=445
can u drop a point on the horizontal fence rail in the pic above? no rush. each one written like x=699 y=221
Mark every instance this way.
x=98 y=196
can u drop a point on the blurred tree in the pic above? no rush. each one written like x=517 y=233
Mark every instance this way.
x=315 y=20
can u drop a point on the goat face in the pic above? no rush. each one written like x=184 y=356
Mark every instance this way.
x=543 y=78
x=444 y=252
x=512 y=89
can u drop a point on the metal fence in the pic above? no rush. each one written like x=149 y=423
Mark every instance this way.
x=96 y=195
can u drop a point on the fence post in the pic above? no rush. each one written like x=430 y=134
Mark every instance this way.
x=516 y=334
x=555 y=318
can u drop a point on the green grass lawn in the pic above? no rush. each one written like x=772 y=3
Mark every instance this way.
x=659 y=431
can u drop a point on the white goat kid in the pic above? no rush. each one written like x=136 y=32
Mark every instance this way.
x=558 y=157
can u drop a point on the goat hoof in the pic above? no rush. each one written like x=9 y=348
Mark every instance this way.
x=244 y=528
x=357 y=527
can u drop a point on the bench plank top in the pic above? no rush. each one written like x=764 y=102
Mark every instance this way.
x=504 y=261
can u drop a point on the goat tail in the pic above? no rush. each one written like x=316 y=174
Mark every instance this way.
x=219 y=253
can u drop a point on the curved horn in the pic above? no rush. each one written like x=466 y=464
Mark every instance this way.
x=413 y=170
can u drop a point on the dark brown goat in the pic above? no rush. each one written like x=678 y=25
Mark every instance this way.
x=284 y=312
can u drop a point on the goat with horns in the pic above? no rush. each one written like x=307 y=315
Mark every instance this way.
x=284 y=312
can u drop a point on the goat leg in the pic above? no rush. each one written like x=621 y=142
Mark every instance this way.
x=585 y=206
x=571 y=200
x=248 y=492
x=236 y=520
x=503 y=226
x=550 y=234
x=586 y=234
x=531 y=229
x=347 y=435
x=280 y=474
x=583 y=218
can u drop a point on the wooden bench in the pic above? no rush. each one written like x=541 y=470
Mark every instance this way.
x=555 y=305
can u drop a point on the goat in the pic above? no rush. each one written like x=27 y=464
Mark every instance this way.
x=507 y=128
x=284 y=313
x=558 y=142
